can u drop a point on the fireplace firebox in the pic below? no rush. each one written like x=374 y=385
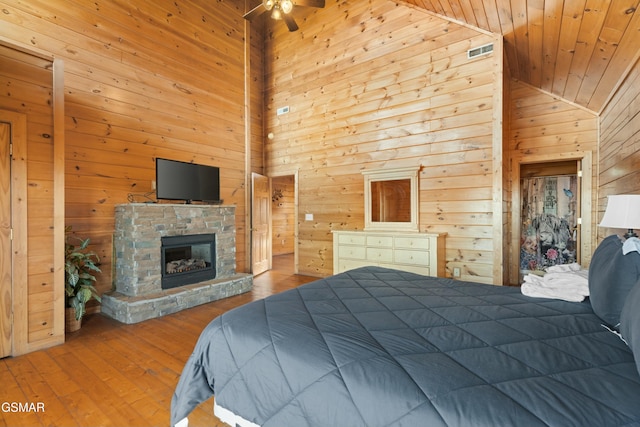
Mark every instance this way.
x=187 y=259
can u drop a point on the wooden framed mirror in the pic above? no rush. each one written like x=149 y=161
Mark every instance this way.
x=391 y=199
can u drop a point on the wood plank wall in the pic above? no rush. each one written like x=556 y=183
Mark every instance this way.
x=545 y=129
x=144 y=79
x=620 y=145
x=256 y=59
x=379 y=84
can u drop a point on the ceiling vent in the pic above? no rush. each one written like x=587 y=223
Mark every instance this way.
x=482 y=50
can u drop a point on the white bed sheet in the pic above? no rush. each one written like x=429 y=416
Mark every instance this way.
x=225 y=415
x=230 y=418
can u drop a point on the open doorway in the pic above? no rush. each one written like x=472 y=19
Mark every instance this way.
x=549 y=215
x=545 y=165
x=284 y=221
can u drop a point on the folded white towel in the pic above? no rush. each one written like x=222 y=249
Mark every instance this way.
x=563 y=282
x=630 y=245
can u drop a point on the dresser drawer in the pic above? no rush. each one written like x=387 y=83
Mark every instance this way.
x=349 y=264
x=352 y=252
x=380 y=241
x=352 y=239
x=403 y=256
x=379 y=254
x=419 y=270
x=411 y=243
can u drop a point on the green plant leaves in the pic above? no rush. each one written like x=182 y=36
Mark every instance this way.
x=80 y=263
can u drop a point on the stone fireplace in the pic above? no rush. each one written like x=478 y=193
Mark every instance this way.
x=171 y=257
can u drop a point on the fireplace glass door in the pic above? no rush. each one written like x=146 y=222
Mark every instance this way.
x=187 y=259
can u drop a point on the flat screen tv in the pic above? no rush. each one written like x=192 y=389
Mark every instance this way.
x=187 y=181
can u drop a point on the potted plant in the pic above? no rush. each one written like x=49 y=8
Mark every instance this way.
x=79 y=268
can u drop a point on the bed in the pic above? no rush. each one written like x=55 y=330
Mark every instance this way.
x=381 y=347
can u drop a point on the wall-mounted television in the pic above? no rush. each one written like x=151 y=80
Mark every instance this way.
x=177 y=180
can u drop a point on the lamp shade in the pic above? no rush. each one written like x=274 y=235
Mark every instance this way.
x=623 y=211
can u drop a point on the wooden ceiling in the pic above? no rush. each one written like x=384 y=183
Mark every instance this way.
x=579 y=50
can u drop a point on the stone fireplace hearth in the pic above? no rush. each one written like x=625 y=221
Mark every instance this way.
x=138 y=258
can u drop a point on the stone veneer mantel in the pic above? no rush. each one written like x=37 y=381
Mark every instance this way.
x=138 y=272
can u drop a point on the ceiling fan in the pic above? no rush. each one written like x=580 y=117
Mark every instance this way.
x=281 y=9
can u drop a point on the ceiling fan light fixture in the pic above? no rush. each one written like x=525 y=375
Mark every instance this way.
x=286 y=6
x=281 y=10
x=276 y=13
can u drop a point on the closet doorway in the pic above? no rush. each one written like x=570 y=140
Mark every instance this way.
x=551 y=213
x=550 y=201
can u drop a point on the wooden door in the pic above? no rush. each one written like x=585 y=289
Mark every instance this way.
x=260 y=223
x=5 y=242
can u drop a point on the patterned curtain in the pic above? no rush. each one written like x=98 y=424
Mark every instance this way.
x=548 y=222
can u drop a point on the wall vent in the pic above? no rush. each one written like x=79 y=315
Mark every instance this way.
x=482 y=50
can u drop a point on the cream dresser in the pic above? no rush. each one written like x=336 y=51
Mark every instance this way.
x=421 y=253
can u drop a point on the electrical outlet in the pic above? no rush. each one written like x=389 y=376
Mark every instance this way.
x=456 y=271
x=308 y=217
x=153 y=185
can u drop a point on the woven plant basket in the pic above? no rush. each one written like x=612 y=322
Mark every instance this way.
x=71 y=325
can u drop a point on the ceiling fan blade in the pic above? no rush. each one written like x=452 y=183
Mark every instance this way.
x=310 y=3
x=291 y=23
x=255 y=12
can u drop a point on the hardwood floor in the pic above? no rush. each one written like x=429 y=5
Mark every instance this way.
x=112 y=374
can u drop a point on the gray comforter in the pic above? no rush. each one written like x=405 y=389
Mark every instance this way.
x=378 y=347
